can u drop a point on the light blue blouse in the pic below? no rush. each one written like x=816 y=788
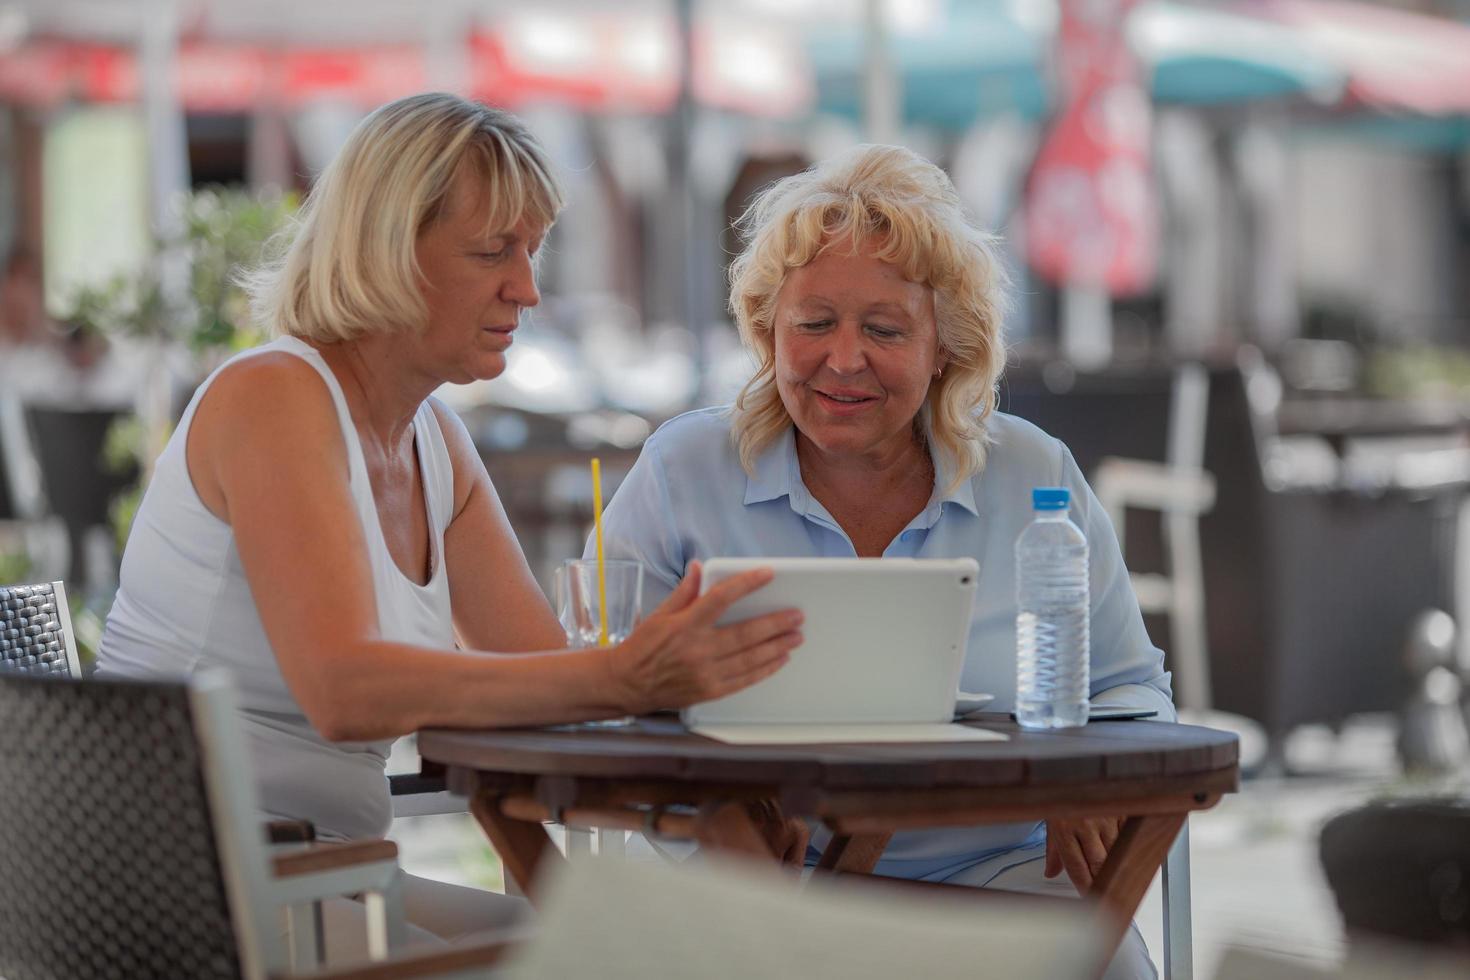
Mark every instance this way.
x=688 y=498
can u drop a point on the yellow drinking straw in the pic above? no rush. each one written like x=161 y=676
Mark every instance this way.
x=601 y=562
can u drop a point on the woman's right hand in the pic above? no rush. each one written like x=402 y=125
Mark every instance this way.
x=678 y=656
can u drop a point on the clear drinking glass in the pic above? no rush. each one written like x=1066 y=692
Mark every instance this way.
x=578 y=605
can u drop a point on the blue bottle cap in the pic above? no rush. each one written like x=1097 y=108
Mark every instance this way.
x=1051 y=498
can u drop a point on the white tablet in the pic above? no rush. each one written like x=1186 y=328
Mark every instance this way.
x=884 y=640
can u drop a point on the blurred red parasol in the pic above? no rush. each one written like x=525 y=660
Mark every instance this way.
x=1395 y=60
x=591 y=63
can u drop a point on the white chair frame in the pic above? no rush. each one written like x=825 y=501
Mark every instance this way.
x=256 y=895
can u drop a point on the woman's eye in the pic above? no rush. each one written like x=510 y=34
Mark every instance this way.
x=884 y=333
x=814 y=324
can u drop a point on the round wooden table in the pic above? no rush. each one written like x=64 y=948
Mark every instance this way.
x=657 y=777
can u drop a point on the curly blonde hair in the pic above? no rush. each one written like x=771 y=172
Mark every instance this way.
x=347 y=264
x=903 y=207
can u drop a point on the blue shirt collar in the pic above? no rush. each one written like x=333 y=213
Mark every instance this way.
x=778 y=474
x=963 y=495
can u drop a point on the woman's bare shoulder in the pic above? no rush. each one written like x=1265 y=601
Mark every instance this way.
x=456 y=433
x=264 y=412
x=463 y=456
x=273 y=372
x=266 y=389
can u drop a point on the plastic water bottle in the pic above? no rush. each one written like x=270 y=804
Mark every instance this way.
x=1051 y=624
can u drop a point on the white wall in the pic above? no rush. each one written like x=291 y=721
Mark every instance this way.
x=1374 y=227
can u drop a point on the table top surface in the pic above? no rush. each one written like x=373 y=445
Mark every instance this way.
x=660 y=748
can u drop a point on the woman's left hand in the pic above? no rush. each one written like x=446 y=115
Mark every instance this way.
x=1080 y=845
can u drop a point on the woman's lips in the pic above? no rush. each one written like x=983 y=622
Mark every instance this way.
x=844 y=403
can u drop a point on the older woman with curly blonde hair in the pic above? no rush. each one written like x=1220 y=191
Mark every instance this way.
x=873 y=306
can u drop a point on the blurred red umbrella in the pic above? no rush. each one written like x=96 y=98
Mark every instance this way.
x=1395 y=60
x=1090 y=209
x=592 y=63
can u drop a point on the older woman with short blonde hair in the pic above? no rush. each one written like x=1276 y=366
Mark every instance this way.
x=325 y=529
x=873 y=307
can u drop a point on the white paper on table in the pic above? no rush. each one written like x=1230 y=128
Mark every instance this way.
x=757 y=734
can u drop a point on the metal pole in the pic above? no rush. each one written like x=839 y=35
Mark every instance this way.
x=882 y=88
x=698 y=292
x=168 y=182
x=163 y=116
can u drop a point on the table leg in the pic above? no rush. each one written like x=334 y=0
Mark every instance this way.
x=522 y=845
x=853 y=853
x=1131 y=865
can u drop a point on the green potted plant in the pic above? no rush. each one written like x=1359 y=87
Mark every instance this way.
x=186 y=303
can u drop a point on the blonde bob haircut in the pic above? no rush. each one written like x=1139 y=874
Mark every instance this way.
x=905 y=209
x=346 y=266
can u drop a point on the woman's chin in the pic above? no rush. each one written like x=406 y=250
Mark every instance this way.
x=486 y=367
x=834 y=441
x=847 y=439
x=465 y=374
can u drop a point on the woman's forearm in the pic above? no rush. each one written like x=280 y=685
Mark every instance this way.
x=379 y=690
x=370 y=689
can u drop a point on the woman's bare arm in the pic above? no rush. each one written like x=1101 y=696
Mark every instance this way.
x=497 y=603
x=267 y=456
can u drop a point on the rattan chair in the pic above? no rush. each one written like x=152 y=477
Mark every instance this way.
x=132 y=845
x=35 y=631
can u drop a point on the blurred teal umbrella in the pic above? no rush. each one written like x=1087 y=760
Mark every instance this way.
x=972 y=60
x=1407 y=75
x=1206 y=56
x=987 y=57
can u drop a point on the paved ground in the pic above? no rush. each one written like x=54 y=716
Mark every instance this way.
x=1256 y=878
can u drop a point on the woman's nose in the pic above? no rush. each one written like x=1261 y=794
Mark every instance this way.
x=847 y=355
x=520 y=286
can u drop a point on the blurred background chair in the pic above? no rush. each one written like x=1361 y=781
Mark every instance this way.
x=25 y=527
x=1178 y=490
x=132 y=846
x=1318 y=550
x=1328 y=540
x=35 y=631
x=78 y=487
x=1400 y=870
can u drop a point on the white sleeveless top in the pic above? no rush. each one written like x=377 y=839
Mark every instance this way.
x=184 y=604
